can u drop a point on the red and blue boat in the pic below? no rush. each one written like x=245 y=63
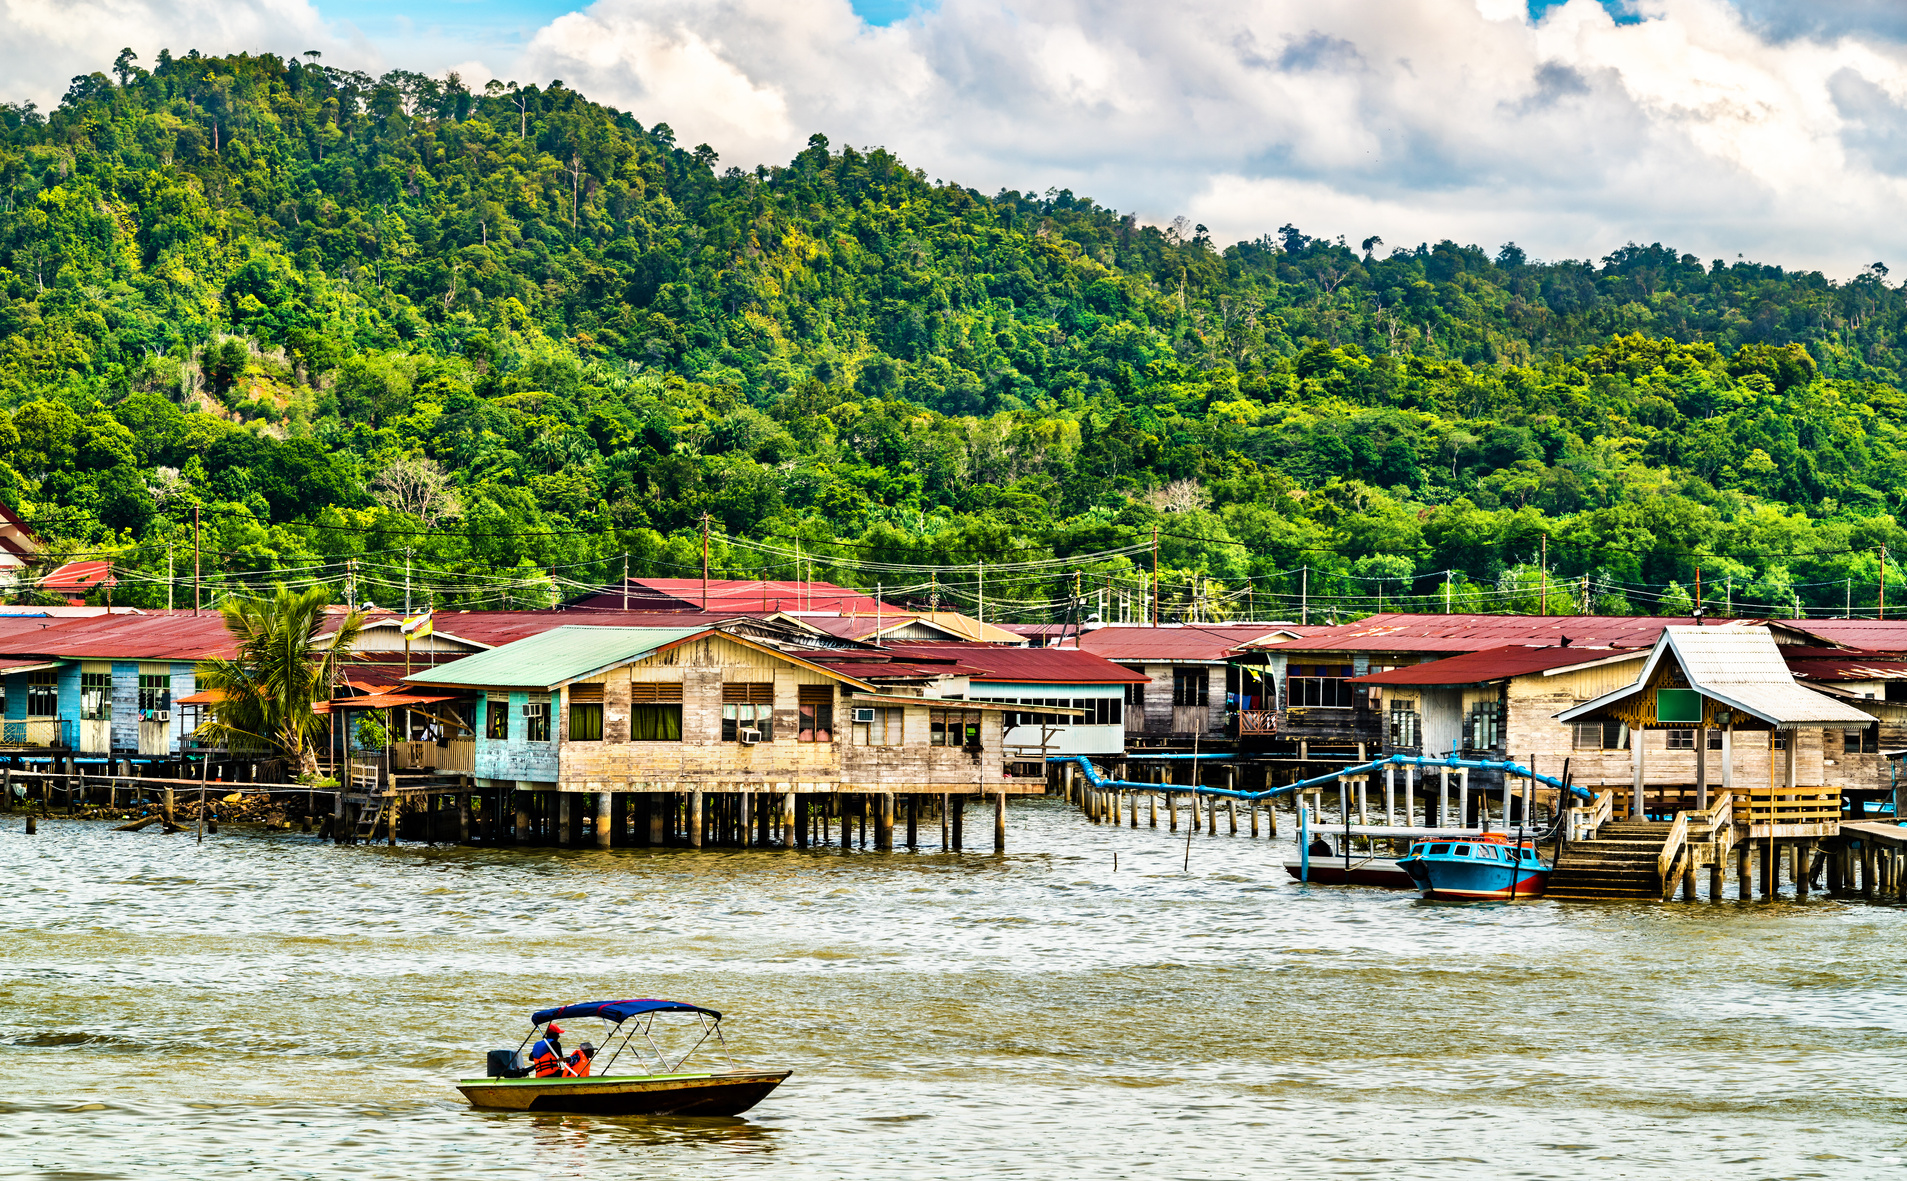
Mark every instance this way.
x=1484 y=867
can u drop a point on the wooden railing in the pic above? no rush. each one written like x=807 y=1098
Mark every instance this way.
x=1672 y=848
x=1790 y=812
x=1583 y=821
x=1257 y=721
x=458 y=756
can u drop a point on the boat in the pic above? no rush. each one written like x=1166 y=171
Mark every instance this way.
x=1486 y=866
x=1325 y=866
x=586 y=1087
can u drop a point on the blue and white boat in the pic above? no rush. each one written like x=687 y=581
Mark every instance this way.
x=1485 y=867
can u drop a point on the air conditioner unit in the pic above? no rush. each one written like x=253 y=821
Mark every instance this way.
x=750 y=736
x=162 y=715
x=863 y=714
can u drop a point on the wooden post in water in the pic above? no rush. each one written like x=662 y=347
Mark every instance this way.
x=1744 y=871
x=913 y=821
x=1133 y=798
x=606 y=814
x=999 y=822
x=1802 y=851
x=959 y=804
x=884 y=823
x=946 y=805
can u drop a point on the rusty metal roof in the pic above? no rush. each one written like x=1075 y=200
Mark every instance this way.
x=1848 y=668
x=176 y=635
x=1045 y=666
x=729 y=595
x=1476 y=633
x=1186 y=642
x=1497 y=664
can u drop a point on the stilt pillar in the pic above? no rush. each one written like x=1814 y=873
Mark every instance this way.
x=958 y=802
x=999 y=822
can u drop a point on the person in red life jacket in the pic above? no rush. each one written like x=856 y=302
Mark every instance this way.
x=546 y=1057
x=577 y=1064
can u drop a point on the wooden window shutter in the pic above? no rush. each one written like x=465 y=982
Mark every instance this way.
x=586 y=692
x=654 y=692
x=815 y=694
x=748 y=692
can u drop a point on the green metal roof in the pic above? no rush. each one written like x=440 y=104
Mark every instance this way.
x=557 y=656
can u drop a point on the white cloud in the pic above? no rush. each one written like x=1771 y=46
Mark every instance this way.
x=1413 y=119
x=43 y=43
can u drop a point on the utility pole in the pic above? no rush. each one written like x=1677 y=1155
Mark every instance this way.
x=1698 y=593
x=705 y=563
x=1545 y=583
x=1446 y=591
x=1155 y=574
x=168 y=576
x=980 y=597
x=407 y=589
x=1882 y=612
x=1304 y=594
x=195 y=559
x=625 y=581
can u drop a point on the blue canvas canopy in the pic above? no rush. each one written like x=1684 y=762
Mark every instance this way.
x=617 y=1011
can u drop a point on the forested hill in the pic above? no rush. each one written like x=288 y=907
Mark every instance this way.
x=511 y=337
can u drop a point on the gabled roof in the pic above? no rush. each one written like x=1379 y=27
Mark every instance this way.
x=1208 y=643
x=1027 y=666
x=572 y=653
x=1740 y=667
x=1849 y=668
x=1476 y=633
x=738 y=596
x=1497 y=664
x=1888 y=635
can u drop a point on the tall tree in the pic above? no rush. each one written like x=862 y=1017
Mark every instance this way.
x=279 y=671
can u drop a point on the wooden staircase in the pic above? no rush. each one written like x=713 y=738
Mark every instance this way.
x=1623 y=861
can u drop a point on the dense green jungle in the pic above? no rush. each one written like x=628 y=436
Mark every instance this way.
x=514 y=342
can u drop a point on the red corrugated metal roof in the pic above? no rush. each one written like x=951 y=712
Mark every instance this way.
x=1166 y=644
x=1496 y=664
x=1850 y=668
x=76 y=578
x=1056 y=666
x=729 y=595
x=178 y=635
x=1886 y=635
x=1475 y=633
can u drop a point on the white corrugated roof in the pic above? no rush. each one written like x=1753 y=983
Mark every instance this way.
x=1740 y=668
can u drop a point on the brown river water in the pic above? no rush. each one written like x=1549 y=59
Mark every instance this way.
x=266 y=1005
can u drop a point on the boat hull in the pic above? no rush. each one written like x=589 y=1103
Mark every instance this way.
x=1364 y=871
x=727 y=1093
x=1476 y=881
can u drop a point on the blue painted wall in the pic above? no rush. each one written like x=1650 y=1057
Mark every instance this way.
x=514 y=757
x=125 y=706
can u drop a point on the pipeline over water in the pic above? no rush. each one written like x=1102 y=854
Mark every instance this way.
x=1452 y=762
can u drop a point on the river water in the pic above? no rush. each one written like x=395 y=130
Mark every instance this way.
x=266 y=1005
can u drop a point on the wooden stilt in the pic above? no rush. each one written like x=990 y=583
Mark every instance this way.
x=1152 y=807
x=913 y=821
x=999 y=822
x=958 y=802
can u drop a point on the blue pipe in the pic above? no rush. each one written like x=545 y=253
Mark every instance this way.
x=1093 y=777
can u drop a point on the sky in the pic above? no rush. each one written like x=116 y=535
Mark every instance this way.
x=1774 y=130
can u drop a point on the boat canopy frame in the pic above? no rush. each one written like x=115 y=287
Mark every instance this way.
x=640 y=1017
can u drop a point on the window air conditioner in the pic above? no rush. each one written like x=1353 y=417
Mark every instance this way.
x=863 y=714
x=162 y=715
x=750 y=736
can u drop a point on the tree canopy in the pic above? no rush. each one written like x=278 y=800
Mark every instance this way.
x=510 y=341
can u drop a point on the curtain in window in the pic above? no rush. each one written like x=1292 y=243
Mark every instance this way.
x=655 y=723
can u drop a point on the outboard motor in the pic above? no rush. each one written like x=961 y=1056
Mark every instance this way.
x=506 y=1064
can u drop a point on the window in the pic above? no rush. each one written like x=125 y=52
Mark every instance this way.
x=1436 y=849
x=1319 y=685
x=497 y=711
x=1714 y=740
x=1680 y=740
x=155 y=693
x=877 y=726
x=42 y=694
x=1403 y=734
x=1104 y=711
x=815 y=713
x=1865 y=741
x=96 y=697
x=655 y=711
x=586 y=721
x=1484 y=724
x=1601 y=736
x=536 y=719
x=1778 y=741
x=1191 y=686
x=748 y=706
x=954 y=727
x=1135 y=694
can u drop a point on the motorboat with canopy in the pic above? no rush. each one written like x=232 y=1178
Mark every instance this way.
x=586 y=1081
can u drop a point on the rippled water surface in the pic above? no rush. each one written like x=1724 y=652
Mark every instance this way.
x=266 y=1005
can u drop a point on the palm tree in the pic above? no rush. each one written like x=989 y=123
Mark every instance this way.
x=279 y=671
